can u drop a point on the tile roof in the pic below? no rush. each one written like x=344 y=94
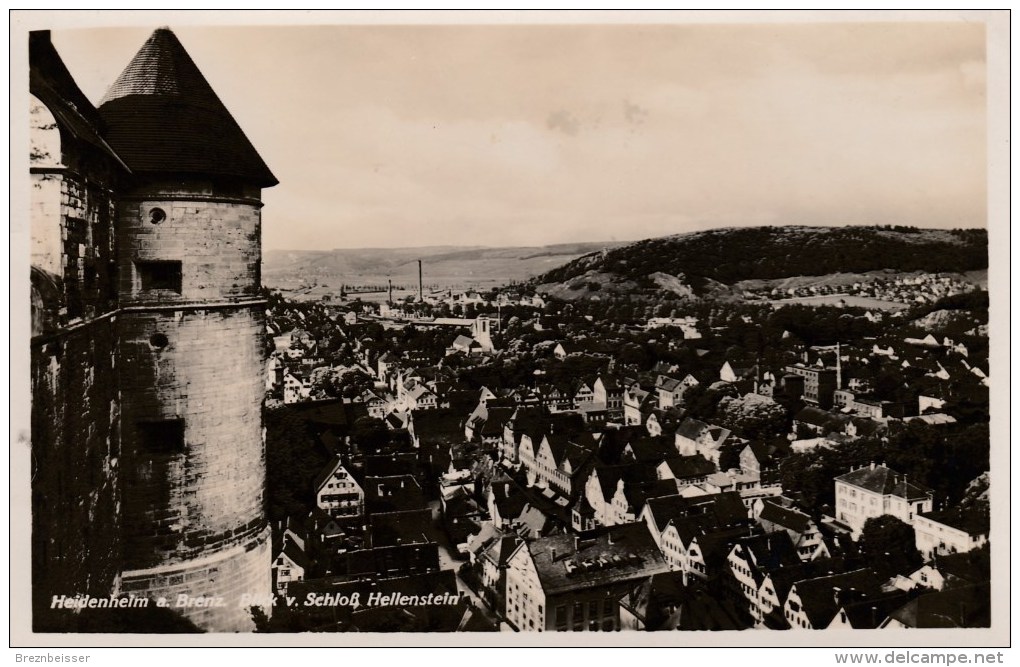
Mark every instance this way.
x=964 y=607
x=819 y=596
x=784 y=517
x=724 y=508
x=686 y=467
x=501 y=549
x=296 y=554
x=623 y=553
x=869 y=613
x=162 y=116
x=327 y=473
x=771 y=550
x=882 y=480
x=51 y=82
x=971 y=520
x=393 y=494
x=391 y=528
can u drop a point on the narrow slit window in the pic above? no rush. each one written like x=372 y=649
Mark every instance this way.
x=159 y=275
x=163 y=437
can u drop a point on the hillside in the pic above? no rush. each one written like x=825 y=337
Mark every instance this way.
x=726 y=261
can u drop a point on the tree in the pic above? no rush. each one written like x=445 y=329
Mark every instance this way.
x=753 y=416
x=888 y=545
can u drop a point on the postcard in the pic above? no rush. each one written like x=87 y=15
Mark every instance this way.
x=510 y=329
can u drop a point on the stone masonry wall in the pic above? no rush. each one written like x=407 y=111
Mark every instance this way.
x=215 y=233
x=208 y=495
x=75 y=441
x=229 y=583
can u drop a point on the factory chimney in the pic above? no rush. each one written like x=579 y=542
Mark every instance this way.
x=421 y=287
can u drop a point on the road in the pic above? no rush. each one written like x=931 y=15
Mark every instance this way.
x=448 y=561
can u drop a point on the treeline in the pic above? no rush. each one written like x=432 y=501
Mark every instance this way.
x=731 y=255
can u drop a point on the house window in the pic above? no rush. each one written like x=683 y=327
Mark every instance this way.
x=161 y=275
x=162 y=437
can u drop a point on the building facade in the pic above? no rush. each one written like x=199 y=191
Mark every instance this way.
x=872 y=491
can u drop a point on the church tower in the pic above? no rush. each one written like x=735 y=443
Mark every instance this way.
x=189 y=354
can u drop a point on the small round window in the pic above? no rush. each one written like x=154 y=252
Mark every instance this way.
x=159 y=340
x=156 y=215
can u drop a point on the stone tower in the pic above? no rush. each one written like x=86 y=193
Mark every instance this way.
x=189 y=353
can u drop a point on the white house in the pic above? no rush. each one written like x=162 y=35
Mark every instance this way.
x=873 y=491
x=951 y=531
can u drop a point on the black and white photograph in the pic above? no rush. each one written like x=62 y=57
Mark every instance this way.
x=482 y=328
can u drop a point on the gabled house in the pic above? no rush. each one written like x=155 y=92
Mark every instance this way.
x=750 y=561
x=813 y=604
x=696 y=437
x=563 y=350
x=637 y=405
x=685 y=470
x=617 y=494
x=557 y=461
x=375 y=404
x=296 y=387
x=386 y=365
x=608 y=394
x=289 y=564
x=954 y=571
x=337 y=492
x=866 y=612
x=584 y=395
x=775 y=516
x=963 y=607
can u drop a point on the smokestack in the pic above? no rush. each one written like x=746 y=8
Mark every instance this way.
x=390 y=282
x=421 y=287
x=839 y=368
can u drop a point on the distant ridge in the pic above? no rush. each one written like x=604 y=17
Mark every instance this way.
x=715 y=260
x=442 y=263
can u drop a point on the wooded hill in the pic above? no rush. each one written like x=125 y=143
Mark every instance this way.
x=704 y=259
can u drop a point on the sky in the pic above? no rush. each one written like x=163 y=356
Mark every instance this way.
x=493 y=135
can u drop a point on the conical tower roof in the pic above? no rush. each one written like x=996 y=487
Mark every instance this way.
x=162 y=116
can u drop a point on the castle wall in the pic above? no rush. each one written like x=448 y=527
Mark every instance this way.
x=75 y=508
x=75 y=400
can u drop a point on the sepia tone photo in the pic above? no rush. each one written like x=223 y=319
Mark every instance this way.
x=660 y=328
